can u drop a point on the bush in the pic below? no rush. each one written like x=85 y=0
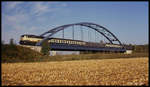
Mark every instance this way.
x=18 y=53
x=45 y=48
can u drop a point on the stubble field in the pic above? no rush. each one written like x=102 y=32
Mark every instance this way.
x=131 y=71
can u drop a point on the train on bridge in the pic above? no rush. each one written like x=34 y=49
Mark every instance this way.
x=73 y=45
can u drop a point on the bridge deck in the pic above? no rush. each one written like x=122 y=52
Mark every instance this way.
x=83 y=48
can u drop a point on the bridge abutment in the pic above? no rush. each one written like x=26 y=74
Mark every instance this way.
x=35 y=48
x=38 y=49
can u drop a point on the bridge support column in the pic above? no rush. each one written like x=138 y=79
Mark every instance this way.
x=128 y=52
x=53 y=53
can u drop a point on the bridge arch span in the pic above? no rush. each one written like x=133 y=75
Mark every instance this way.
x=100 y=29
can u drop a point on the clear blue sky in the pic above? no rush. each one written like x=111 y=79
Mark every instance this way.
x=127 y=20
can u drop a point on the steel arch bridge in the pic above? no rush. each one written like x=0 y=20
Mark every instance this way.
x=100 y=29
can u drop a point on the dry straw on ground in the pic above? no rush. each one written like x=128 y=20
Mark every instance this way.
x=131 y=71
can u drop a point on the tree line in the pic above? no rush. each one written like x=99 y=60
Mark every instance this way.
x=141 y=48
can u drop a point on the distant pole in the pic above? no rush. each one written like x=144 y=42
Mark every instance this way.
x=81 y=33
x=95 y=35
x=103 y=39
x=63 y=34
x=89 y=34
x=73 y=32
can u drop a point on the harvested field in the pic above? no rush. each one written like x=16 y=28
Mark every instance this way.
x=131 y=71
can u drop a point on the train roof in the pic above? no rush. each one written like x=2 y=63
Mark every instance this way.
x=35 y=36
x=30 y=35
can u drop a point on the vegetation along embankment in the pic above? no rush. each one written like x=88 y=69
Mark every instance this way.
x=12 y=53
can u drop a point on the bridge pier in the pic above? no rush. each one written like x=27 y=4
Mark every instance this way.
x=128 y=52
x=38 y=49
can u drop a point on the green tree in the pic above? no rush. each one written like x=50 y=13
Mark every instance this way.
x=45 y=48
x=11 y=41
x=12 y=45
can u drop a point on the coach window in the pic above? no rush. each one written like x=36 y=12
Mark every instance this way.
x=57 y=41
x=70 y=42
x=61 y=41
x=50 y=40
x=54 y=41
x=77 y=42
x=80 y=43
x=74 y=42
x=64 y=41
